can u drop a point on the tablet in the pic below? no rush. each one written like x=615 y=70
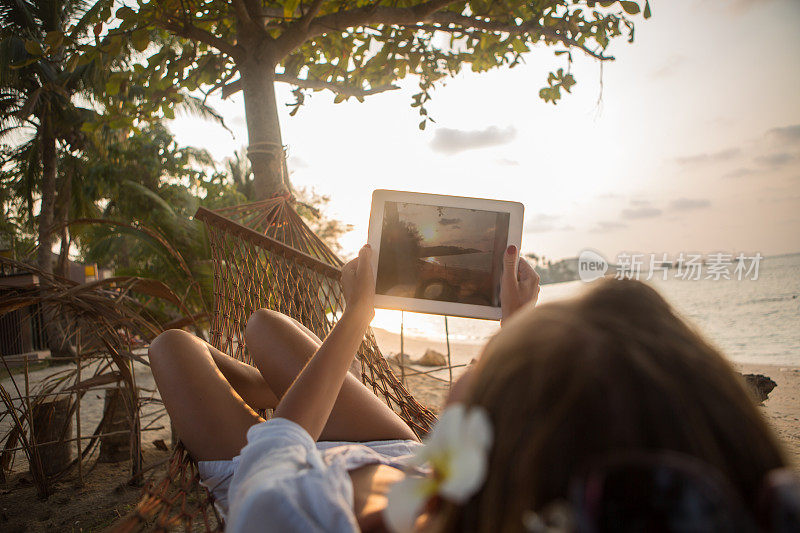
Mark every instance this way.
x=441 y=254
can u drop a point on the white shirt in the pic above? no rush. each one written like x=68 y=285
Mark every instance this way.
x=286 y=482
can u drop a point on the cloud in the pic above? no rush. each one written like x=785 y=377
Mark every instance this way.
x=451 y=141
x=641 y=212
x=670 y=67
x=739 y=7
x=507 y=162
x=775 y=160
x=640 y=203
x=785 y=133
x=709 y=157
x=449 y=221
x=609 y=196
x=542 y=223
x=605 y=226
x=739 y=172
x=297 y=162
x=689 y=204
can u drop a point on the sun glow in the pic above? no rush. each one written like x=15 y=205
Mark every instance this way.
x=428 y=231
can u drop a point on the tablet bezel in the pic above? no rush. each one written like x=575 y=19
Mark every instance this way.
x=379 y=199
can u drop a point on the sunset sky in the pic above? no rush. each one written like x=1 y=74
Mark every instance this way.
x=693 y=145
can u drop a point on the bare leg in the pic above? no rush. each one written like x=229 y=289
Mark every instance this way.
x=281 y=347
x=209 y=396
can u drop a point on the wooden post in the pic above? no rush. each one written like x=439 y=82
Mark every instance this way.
x=402 y=353
x=115 y=448
x=447 y=337
x=52 y=431
x=78 y=397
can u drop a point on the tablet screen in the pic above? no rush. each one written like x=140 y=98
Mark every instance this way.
x=448 y=254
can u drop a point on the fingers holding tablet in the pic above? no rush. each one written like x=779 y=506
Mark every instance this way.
x=358 y=282
x=520 y=283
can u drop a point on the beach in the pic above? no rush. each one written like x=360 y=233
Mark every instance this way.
x=781 y=409
x=107 y=493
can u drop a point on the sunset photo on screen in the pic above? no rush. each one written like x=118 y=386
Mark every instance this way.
x=448 y=254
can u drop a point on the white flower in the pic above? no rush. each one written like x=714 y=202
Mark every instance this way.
x=456 y=451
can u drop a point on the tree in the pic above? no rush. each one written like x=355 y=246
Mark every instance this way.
x=38 y=80
x=355 y=48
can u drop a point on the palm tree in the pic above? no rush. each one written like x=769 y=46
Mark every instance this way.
x=38 y=88
x=40 y=79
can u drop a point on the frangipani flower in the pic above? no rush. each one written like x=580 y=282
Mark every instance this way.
x=455 y=451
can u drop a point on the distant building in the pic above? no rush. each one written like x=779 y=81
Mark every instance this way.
x=562 y=270
x=22 y=330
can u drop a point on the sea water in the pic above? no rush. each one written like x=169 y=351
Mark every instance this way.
x=750 y=321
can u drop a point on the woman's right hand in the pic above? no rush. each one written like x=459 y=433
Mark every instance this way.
x=519 y=286
x=358 y=284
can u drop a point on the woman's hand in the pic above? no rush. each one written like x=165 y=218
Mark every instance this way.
x=519 y=286
x=358 y=284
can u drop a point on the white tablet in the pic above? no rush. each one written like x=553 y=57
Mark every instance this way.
x=441 y=254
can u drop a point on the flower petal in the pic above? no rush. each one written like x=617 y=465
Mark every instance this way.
x=406 y=499
x=467 y=472
x=477 y=428
x=448 y=428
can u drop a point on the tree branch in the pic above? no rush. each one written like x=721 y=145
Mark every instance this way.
x=297 y=33
x=310 y=14
x=465 y=23
x=244 y=18
x=339 y=88
x=192 y=32
x=416 y=17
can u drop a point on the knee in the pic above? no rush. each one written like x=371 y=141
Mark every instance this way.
x=170 y=345
x=265 y=322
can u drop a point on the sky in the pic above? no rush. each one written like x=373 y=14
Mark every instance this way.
x=688 y=142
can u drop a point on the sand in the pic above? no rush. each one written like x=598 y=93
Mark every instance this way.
x=106 y=493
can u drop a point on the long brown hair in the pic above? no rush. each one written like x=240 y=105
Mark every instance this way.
x=611 y=371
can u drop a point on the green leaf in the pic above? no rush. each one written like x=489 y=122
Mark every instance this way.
x=422 y=125
x=125 y=13
x=631 y=8
x=647 y=12
x=54 y=40
x=140 y=39
x=289 y=8
x=112 y=86
x=72 y=62
x=33 y=47
x=339 y=99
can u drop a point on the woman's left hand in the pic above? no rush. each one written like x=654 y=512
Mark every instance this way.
x=519 y=286
x=358 y=284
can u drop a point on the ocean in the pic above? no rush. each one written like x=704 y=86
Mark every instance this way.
x=750 y=321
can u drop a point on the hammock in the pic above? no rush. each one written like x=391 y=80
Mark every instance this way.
x=264 y=256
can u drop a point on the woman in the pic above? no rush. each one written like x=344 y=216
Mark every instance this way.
x=561 y=388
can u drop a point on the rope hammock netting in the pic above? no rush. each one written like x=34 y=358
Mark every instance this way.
x=265 y=256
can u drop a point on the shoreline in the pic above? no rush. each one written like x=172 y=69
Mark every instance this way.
x=781 y=409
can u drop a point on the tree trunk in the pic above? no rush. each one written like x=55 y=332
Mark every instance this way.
x=263 y=127
x=56 y=338
x=65 y=198
x=47 y=209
